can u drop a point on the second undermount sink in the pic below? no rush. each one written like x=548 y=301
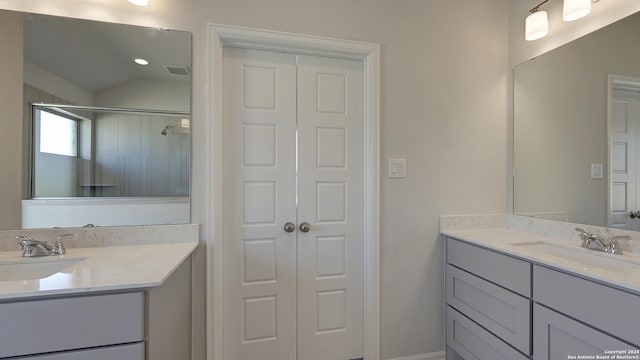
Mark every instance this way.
x=35 y=268
x=589 y=258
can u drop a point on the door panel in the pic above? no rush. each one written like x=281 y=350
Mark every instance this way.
x=330 y=255
x=259 y=198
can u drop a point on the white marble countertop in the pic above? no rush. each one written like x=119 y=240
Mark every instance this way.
x=623 y=273
x=103 y=269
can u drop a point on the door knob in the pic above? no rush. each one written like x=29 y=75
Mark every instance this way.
x=634 y=214
x=289 y=227
x=305 y=227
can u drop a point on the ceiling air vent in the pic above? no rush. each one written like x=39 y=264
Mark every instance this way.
x=177 y=70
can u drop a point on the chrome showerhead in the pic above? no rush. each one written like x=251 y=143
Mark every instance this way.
x=166 y=129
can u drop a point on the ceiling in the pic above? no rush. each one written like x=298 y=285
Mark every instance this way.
x=98 y=56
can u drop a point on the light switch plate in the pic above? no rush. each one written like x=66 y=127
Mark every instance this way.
x=597 y=171
x=397 y=168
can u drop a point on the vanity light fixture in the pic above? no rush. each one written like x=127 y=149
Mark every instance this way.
x=537 y=23
x=139 y=2
x=575 y=9
x=141 y=61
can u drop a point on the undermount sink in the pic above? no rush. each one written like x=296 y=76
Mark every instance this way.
x=590 y=258
x=35 y=268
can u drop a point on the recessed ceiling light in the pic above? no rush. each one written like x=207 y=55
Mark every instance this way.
x=141 y=61
x=139 y=2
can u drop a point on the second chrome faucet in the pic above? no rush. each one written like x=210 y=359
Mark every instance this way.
x=596 y=242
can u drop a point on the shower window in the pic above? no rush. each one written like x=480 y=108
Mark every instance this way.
x=58 y=134
x=61 y=146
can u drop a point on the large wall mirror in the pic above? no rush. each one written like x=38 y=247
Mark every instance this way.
x=106 y=123
x=577 y=130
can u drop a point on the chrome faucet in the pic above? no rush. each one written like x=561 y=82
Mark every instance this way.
x=33 y=248
x=610 y=246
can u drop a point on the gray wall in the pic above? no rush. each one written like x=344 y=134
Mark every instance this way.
x=444 y=78
x=11 y=120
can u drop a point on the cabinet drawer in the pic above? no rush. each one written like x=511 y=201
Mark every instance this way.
x=611 y=310
x=504 y=313
x=40 y=326
x=120 y=352
x=471 y=341
x=506 y=271
x=559 y=337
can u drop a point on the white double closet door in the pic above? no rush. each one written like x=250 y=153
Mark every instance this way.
x=293 y=154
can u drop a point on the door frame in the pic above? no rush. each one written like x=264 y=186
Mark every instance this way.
x=219 y=36
x=615 y=82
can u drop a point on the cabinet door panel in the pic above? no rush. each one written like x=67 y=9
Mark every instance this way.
x=504 y=313
x=471 y=342
x=559 y=337
x=506 y=271
x=612 y=310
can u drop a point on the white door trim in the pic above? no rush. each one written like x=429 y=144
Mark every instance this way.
x=219 y=36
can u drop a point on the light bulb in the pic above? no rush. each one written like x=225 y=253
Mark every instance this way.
x=536 y=26
x=139 y=2
x=141 y=61
x=575 y=9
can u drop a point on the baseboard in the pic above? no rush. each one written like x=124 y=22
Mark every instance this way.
x=438 y=355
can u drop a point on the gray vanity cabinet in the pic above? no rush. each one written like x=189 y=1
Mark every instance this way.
x=51 y=325
x=608 y=309
x=559 y=337
x=120 y=352
x=153 y=325
x=470 y=341
x=488 y=305
x=502 y=307
x=502 y=312
x=505 y=271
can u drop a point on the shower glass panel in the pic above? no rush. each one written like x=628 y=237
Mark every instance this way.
x=103 y=152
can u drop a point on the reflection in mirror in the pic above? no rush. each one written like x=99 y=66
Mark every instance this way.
x=86 y=68
x=102 y=152
x=575 y=131
x=624 y=152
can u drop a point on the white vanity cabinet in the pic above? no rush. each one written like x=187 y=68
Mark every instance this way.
x=502 y=307
x=488 y=304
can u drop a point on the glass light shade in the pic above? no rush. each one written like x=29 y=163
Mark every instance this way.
x=575 y=9
x=139 y=2
x=536 y=26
